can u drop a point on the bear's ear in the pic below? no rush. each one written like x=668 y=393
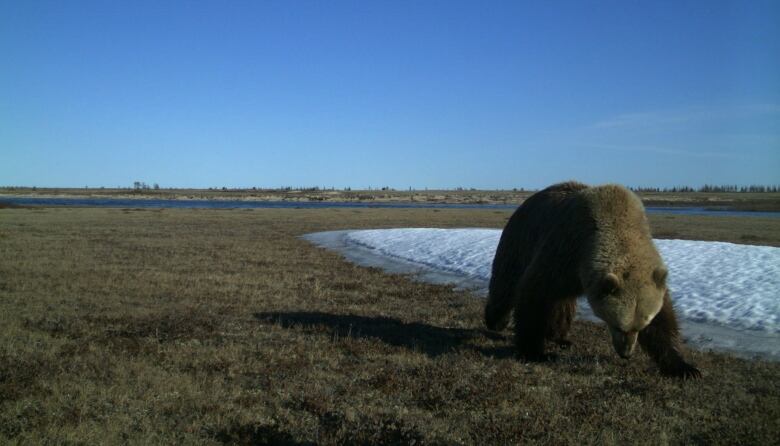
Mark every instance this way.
x=609 y=284
x=659 y=276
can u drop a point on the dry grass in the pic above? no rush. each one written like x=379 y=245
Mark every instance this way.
x=223 y=327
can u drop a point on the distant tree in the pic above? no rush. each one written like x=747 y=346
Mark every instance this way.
x=156 y=186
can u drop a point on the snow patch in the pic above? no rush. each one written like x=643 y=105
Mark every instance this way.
x=726 y=295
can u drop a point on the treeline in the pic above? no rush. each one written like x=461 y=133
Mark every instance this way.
x=710 y=188
x=140 y=185
x=271 y=189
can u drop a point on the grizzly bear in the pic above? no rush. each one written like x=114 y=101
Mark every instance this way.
x=569 y=240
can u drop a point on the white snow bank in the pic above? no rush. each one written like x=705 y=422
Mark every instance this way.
x=726 y=295
x=715 y=282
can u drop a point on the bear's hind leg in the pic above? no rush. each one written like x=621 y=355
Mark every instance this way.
x=561 y=317
x=661 y=341
x=529 y=333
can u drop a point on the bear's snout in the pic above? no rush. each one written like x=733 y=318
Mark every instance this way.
x=624 y=342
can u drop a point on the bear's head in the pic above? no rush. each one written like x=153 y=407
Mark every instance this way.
x=628 y=301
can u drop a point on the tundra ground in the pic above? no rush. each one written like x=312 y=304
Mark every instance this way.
x=224 y=327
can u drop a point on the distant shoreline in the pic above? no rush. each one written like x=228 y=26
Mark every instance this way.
x=725 y=201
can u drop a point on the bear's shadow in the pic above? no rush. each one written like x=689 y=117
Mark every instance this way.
x=428 y=339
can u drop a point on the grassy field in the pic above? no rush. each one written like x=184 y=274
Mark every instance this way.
x=223 y=327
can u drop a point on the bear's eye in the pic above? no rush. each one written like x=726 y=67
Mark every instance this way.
x=609 y=284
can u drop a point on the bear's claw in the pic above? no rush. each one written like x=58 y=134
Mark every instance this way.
x=684 y=371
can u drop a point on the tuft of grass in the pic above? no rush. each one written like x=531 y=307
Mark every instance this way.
x=224 y=327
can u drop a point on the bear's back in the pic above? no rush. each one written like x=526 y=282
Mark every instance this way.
x=550 y=216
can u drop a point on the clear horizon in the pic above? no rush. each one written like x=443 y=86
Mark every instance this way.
x=434 y=94
x=716 y=188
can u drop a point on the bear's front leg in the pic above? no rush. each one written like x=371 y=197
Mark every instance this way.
x=661 y=340
x=531 y=324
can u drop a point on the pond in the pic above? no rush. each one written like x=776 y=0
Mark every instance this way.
x=239 y=204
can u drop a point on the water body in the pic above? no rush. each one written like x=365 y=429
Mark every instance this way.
x=238 y=204
x=234 y=204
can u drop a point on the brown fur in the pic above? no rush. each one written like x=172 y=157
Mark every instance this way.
x=569 y=240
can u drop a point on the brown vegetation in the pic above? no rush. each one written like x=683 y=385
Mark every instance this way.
x=224 y=327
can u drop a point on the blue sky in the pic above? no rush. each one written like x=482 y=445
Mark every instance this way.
x=435 y=94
